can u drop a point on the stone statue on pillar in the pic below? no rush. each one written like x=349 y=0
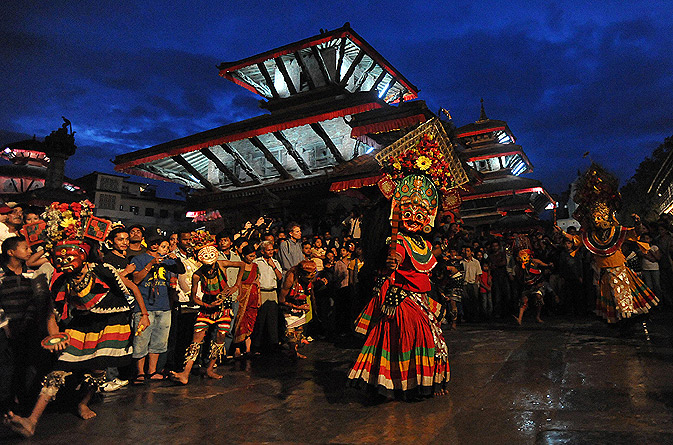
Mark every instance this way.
x=59 y=146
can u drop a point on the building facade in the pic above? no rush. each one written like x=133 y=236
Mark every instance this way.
x=118 y=199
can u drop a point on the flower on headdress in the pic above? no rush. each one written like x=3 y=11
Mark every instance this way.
x=63 y=206
x=423 y=163
x=76 y=207
x=397 y=165
x=69 y=221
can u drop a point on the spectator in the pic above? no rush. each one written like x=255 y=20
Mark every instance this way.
x=290 y=250
x=151 y=274
x=318 y=253
x=650 y=265
x=352 y=224
x=266 y=332
x=20 y=337
x=485 y=283
x=14 y=221
x=136 y=240
x=472 y=270
x=500 y=278
x=118 y=242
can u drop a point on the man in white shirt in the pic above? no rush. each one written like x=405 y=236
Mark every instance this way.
x=266 y=332
x=13 y=221
x=472 y=270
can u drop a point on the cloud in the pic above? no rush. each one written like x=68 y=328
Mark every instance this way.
x=566 y=77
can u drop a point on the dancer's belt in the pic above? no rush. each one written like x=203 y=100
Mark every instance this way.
x=273 y=289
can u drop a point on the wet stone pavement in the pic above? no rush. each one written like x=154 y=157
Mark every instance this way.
x=567 y=381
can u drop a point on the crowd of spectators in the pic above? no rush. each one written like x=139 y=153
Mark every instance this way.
x=478 y=280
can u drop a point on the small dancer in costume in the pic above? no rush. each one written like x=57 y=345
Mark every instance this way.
x=622 y=294
x=530 y=275
x=449 y=280
x=405 y=353
x=248 y=300
x=89 y=327
x=215 y=305
x=297 y=300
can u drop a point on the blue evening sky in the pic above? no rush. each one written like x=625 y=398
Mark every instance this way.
x=568 y=77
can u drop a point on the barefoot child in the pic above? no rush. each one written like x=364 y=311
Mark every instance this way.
x=215 y=304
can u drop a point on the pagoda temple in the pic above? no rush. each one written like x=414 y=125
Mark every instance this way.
x=500 y=199
x=33 y=171
x=329 y=100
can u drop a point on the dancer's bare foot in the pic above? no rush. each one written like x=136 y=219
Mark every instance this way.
x=85 y=412
x=518 y=321
x=453 y=326
x=297 y=356
x=20 y=425
x=539 y=320
x=212 y=374
x=180 y=377
x=441 y=392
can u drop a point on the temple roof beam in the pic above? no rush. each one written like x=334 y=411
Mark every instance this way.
x=342 y=51
x=351 y=69
x=293 y=152
x=379 y=79
x=304 y=69
x=242 y=162
x=321 y=64
x=194 y=172
x=363 y=77
x=283 y=70
x=220 y=165
x=270 y=157
x=320 y=131
x=267 y=77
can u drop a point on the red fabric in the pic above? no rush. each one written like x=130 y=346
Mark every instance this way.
x=280 y=52
x=354 y=183
x=407 y=277
x=390 y=125
x=247 y=321
x=473 y=133
x=93 y=343
x=483 y=281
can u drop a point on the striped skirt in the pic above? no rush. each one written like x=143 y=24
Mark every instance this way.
x=97 y=341
x=623 y=294
x=404 y=354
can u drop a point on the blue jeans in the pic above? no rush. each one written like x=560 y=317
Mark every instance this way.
x=154 y=339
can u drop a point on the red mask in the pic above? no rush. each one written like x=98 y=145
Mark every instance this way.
x=68 y=258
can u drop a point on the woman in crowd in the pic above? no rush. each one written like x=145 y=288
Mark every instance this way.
x=248 y=300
